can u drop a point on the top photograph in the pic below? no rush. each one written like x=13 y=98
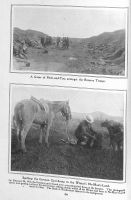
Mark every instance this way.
x=69 y=40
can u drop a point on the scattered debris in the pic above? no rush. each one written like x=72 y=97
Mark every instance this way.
x=72 y=58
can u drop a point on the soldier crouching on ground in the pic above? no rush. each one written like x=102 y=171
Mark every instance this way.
x=84 y=132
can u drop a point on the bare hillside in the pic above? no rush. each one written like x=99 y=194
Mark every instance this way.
x=103 y=54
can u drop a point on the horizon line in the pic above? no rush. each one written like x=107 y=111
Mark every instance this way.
x=68 y=36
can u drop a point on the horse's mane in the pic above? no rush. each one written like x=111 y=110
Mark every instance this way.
x=55 y=102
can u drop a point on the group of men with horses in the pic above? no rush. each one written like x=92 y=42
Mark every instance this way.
x=62 y=42
x=42 y=112
x=46 y=41
x=20 y=46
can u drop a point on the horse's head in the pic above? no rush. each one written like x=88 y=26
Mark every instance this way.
x=66 y=111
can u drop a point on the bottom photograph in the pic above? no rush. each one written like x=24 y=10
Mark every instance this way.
x=67 y=131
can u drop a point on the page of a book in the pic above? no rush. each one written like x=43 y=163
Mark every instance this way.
x=65 y=100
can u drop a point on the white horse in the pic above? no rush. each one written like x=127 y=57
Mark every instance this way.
x=42 y=112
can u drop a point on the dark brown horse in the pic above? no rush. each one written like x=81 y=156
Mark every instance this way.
x=116 y=134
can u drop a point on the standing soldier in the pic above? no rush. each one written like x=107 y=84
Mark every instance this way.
x=23 y=50
x=43 y=41
x=57 y=41
x=67 y=42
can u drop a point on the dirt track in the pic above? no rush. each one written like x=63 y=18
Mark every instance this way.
x=54 y=61
x=76 y=59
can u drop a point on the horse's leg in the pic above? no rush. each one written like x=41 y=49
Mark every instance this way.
x=41 y=135
x=47 y=135
x=42 y=131
x=67 y=131
x=91 y=143
x=16 y=126
x=17 y=134
x=19 y=129
x=23 y=136
x=48 y=130
x=116 y=147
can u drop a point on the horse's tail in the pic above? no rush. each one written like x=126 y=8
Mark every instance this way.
x=18 y=116
x=13 y=123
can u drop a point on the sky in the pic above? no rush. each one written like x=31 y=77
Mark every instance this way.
x=81 y=101
x=72 y=22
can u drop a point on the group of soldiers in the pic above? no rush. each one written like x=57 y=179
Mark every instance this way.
x=46 y=41
x=62 y=42
x=20 y=47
